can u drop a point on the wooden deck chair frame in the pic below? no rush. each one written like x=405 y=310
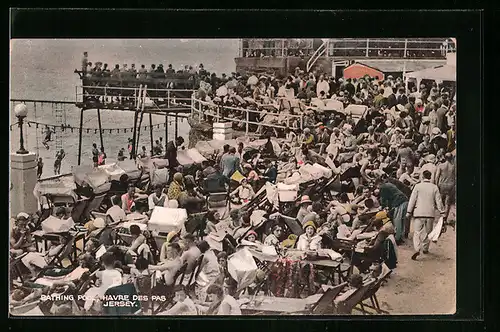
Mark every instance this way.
x=79 y=209
x=320 y=307
x=195 y=273
x=348 y=247
x=15 y=267
x=178 y=278
x=93 y=204
x=347 y=306
x=371 y=295
x=65 y=252
x=263 y=266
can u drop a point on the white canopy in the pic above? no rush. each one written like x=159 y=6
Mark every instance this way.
x=441 y=73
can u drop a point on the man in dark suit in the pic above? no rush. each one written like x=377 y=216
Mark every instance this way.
x=171 y=154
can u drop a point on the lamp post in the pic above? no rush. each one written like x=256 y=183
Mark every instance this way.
x=21 y=110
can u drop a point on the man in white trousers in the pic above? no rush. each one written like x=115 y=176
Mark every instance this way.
x=425 y=199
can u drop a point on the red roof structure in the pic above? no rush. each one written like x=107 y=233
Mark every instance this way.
x=359 y=70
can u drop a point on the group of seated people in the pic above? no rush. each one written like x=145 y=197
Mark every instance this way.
x=375 y=169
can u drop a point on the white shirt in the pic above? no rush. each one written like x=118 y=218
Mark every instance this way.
x=233 y=305
x=151 y=202
x=322 y=86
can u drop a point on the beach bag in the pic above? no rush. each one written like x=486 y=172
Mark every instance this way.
x=56 y=225
x=241 y=266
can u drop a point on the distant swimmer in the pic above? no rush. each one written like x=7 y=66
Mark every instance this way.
x=57 y=163
x=39 y=168
x=48 y=137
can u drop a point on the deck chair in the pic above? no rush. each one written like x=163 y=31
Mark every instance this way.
x=371 y=295
x=94 y=204
x=195 y=273
x=65 y=253
x=346 y=306
x=178 y=278
x=16 y=268
x=347 y=248
x=326 y=301
x=78 y=210
x=125 y=289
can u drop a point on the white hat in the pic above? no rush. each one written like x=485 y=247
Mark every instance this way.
x=307 y=130
x=436 y=131
x=173 y=204
x=418 y=101
x=400 y=107
x=430 y=158
x=22 y=215
x=388 y=123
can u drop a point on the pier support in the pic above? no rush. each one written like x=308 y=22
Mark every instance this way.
x=176 y=128
x=100 y=127
x=23 y=181
x=133 y=152
x=151 y=132
x=80 y=138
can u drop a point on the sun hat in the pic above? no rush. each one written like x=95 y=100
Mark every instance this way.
x=171 y=235
x=400 y=107
x=21 y=215
x=309 y=223
x=430 y=158
x=307 y=131
x=382 y=215
x=436 y=131
x=388 y=123
x=305 y=199
x=251 y=232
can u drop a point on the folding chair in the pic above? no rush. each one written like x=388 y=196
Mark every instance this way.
x=346 y=306
x=178 y=279
x=326 y=301
x=347 y=248
x=371 y=295
x=16 y=268
x=195 y=273
x=66 y=251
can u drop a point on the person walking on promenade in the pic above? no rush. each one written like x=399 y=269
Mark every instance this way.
x=424 y=200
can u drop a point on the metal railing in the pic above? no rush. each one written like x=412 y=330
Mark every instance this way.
x=251 y=48
x=113 y=95
x=319 y=53
x=203 y=110
x=393 y=48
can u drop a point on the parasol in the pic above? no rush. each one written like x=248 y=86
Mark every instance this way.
x=252 y=80
x=222 y=91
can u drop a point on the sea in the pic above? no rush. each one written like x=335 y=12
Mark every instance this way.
x=44 y=69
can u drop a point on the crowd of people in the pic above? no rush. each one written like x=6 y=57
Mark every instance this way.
x=388 y=173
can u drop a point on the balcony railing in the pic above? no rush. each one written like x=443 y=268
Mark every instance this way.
x=376 y=48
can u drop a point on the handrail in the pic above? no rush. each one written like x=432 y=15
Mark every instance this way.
x=316 y=55
x=215 y=112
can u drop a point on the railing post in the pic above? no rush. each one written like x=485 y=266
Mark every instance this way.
x=168 y=98
x=248 y=119
x=367 y=46
x=301 y=122
x=406 y=46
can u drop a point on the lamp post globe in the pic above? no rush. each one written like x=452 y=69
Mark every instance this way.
x=21 y=111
